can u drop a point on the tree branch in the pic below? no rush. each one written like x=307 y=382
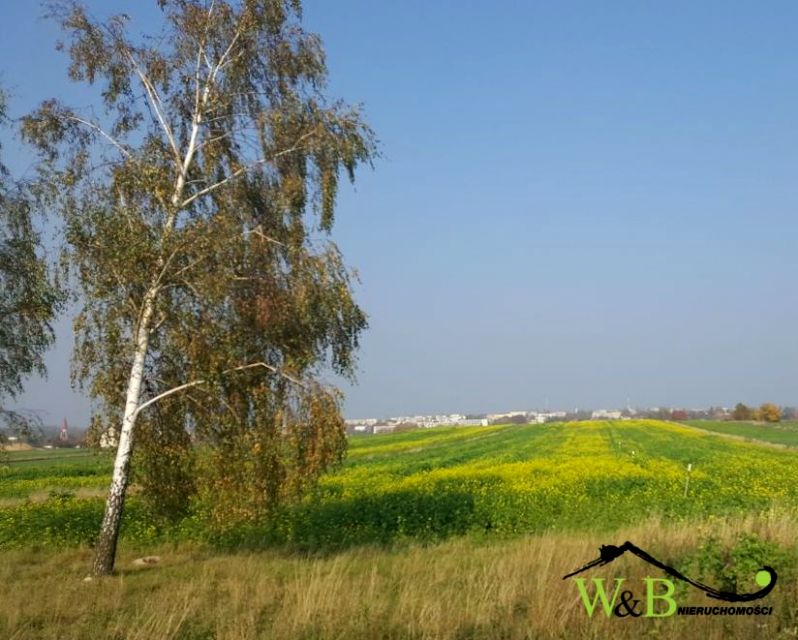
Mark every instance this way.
x=102 y=132
x=257 y=231
x=241 y=171
x=196 y=383
x=157 y=105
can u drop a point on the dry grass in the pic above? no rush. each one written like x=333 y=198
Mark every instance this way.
x=17 y=446
x=460 y=589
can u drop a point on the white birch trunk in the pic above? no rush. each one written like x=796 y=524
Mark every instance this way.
x=105 y=553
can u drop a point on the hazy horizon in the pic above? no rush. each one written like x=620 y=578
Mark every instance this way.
x=582 y=203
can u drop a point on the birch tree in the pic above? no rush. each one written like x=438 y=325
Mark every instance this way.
x=197 y=208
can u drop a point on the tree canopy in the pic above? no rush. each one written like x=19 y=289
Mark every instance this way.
x=28 y=299
x=769 y=412
x=742 y=412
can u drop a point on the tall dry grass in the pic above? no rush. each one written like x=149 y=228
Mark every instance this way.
x=457 y=590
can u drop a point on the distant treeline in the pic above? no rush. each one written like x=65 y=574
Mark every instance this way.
x=767 y=412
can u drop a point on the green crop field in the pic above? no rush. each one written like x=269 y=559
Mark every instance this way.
x=784 y=433
x=39 y=472
x=440 y=533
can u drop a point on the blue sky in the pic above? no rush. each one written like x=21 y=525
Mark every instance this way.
x=582 y=202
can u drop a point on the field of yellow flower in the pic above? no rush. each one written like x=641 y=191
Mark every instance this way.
x=533 y=478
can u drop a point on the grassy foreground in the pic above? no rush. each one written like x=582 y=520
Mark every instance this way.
x=460 y=589
x=461 y=533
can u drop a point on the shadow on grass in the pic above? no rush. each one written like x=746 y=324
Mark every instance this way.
x=334 y=525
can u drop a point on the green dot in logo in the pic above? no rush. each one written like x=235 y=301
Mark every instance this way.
x=762 y=578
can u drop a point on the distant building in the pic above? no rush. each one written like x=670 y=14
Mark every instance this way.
x=605 y=414
x=109 y=439
x=493 y=417
x=369 y=422
x=388 y=425
x=473 y=422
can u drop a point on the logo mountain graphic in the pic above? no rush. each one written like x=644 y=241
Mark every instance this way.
x=765 y=577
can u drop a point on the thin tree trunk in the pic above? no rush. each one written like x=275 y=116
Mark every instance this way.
x=105 y=552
